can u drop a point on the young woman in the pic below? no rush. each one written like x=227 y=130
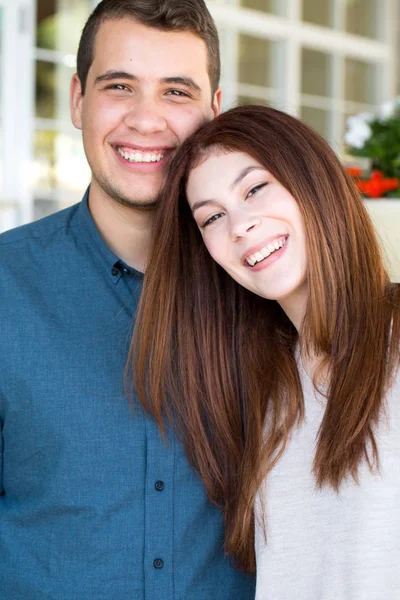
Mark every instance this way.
x=268 y=335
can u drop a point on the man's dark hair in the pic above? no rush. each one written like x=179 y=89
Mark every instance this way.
x=166 y=15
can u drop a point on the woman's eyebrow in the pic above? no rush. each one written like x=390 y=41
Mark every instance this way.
x=236 y=182
x=201 y=203
x=243 y=174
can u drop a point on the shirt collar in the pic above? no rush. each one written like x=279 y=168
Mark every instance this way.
x=115 y=266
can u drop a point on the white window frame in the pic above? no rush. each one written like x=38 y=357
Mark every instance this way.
x=56 y=57
x=19 y=54
x=295 y=34
x=17 y=108
x=17 y=90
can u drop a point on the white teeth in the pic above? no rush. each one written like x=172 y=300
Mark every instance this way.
x=141 y=157
x=266 y=251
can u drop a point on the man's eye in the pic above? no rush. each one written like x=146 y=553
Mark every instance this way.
x=118 y=86
x=178 y=93
x=255 y=189
x=212 y=219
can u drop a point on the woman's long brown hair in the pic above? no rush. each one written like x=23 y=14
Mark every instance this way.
x=218 y=361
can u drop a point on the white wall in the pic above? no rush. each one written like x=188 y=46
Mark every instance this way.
x=386 y=217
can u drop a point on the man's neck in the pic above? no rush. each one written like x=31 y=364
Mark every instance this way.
x=125 y=230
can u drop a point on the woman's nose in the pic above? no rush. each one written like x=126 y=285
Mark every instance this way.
x=242 y=223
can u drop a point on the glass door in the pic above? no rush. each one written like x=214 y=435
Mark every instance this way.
x=1 y=103
x=16 y=102
x=57 y=148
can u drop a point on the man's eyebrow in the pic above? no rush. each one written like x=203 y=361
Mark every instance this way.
x=177 y=80
x=186 y=81
x=243 y=174
x=110 y=75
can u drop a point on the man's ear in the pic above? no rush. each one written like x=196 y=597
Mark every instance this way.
x=216 y=105
x=75 y=101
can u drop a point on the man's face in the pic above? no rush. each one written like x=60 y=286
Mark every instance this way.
x=147 y=90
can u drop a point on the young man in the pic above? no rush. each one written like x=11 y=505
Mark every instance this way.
x=94 y=505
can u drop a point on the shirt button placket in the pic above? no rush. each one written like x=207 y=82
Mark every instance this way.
x=159 y=528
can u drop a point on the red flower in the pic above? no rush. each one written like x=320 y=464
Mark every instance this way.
x=354 y=171
x=377 y=185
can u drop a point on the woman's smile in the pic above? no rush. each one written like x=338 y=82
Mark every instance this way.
x=257 y=259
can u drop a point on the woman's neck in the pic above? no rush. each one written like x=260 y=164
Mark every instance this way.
x=295 y=305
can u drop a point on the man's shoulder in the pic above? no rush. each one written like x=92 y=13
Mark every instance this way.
x=54 y=224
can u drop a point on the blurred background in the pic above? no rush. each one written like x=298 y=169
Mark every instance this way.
x=322 y=60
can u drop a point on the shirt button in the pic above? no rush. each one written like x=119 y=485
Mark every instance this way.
x=114 y=271
x=158 y=563
x=159 y=485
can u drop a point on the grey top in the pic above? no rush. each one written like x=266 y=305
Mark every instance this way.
x=326 y=546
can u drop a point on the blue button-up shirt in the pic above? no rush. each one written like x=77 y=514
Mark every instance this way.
x=94 y=505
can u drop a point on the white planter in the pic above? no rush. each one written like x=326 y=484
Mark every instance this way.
x=385 y=214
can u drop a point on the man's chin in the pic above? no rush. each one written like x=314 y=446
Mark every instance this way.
x=140 y=200
x=146 y=205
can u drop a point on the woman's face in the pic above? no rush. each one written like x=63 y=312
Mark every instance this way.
x=251 y=225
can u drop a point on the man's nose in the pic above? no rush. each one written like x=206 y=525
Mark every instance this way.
x=146 y=117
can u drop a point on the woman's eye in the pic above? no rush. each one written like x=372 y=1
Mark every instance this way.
x=212 y=219
x=255 y=189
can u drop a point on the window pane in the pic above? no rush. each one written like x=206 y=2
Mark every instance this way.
x=248 y=100
x=1 y=94
x=318 y=119
x=277 y=7
x=363 y=17
x=59 y=162
x=319 y=12
x=256 y=59
x=316 y=75
x=43 y=207
x=60 y=23
x=361 y=81
x=52 y=85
